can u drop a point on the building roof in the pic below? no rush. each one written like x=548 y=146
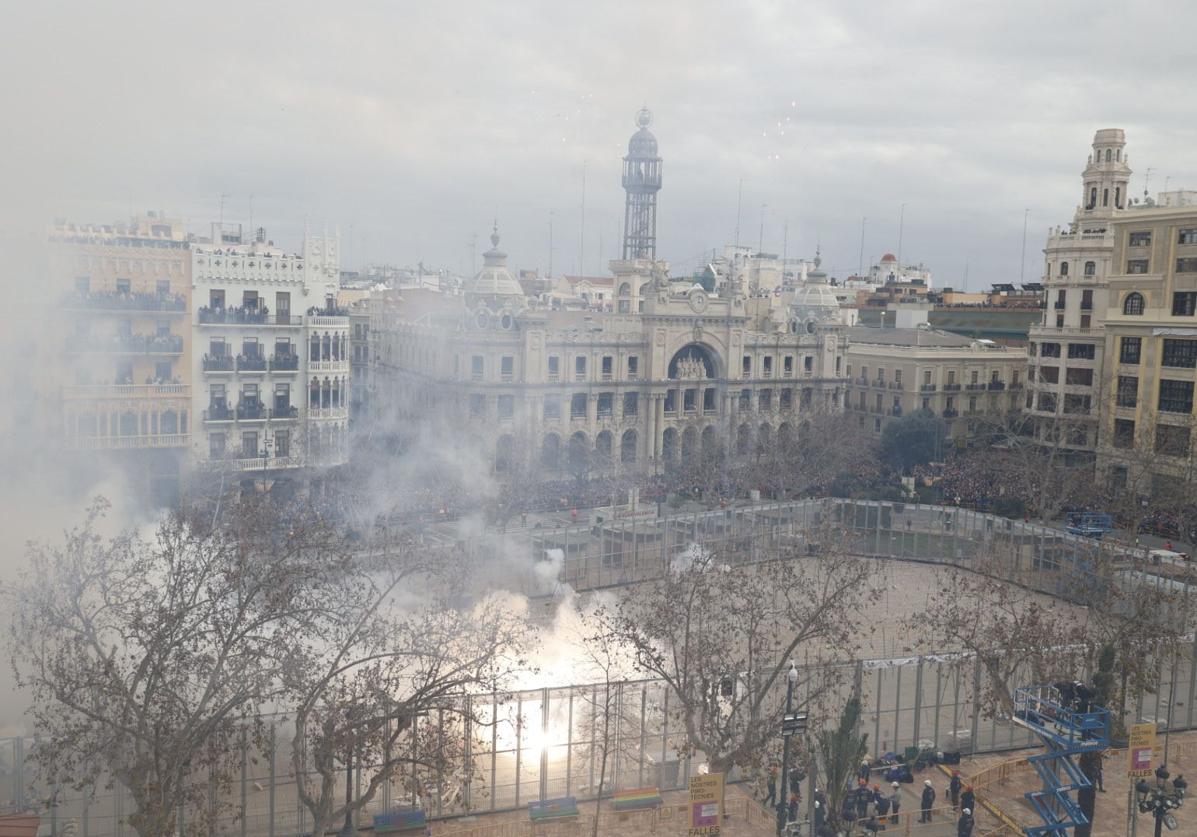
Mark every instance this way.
x=494 y=279
x=889 y=257
x=19 y=825
x=912 y=337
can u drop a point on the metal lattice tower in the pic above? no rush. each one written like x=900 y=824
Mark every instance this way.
x=1067 y=727
x=641 y=182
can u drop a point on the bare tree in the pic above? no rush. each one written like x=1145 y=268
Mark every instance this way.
x=1005 y=626
x=721 y=637
x=140 y=658
x=389 y=654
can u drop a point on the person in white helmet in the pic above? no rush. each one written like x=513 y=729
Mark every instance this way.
x=928 y=801
x=964 y=825
x=895 y=802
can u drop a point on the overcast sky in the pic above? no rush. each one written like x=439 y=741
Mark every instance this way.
x=409 y=125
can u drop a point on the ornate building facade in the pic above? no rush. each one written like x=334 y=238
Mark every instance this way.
x=670 y=372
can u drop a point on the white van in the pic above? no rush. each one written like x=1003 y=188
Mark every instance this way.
x=1167 y=556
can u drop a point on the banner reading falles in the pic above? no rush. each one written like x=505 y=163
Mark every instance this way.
x=1140 y=744
x=706 y=804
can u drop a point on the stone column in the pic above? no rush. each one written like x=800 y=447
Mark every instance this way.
x=659 y=432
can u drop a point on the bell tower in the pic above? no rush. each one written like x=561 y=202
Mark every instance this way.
x=1107 y=175
x=641 y=182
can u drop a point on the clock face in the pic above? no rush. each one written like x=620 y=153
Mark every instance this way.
x=698 y=300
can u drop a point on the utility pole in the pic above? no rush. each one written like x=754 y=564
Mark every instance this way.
x=901 y=224
x=860 y=260
x=760 y=245
x=1022 y=263
x=582 y=235
x=739 y=206
x=785 y=243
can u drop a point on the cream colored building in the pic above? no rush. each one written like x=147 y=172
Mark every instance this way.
x=565 y=392
x=896 y=371
x=118 y=384
x=1151 y=349
x=1067 y=347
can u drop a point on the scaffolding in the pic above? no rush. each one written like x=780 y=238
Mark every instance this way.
x=1068 y=726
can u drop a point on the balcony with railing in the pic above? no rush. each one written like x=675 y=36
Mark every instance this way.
x=895 y=411
x=218 y=363
x=895 y=384
x=251 y=363
x=284 y=363
x=284 y=412
x=122 y=391
x=251 y=411
x=245 y=316
x=157 y=440
x=218 y=412
x=927 y=388
x=331 y=412
x=126 y=302
x=976 y=386
x=125 y=344
x=951 y=386
x=950 y=413
x=997 y=386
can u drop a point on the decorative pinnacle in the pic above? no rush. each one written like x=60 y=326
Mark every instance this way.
x=644 y=117
x=494 y=234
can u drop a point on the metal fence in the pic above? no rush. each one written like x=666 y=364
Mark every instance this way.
x=545 y=743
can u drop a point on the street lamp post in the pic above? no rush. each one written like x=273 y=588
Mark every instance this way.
x=791 y=724
x=1159 y=801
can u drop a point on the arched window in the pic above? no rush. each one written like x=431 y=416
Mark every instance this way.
x=1118 y=196
x=1105 y=197
x=1133 y=304
x=1090 y=268
x=1092 y=197
x=1109 y=155
x=627 y=447
x=1063 y=268
x=314 y=351
x=1118 y=155
x=326 y=353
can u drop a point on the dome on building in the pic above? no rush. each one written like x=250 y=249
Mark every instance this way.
x=643 y=144
x=814 y=299
x=888 y=257
x=494 y=279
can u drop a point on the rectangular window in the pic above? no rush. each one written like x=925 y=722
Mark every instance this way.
x=1130 y=350
x=217 y=347
x=745 y=399
x=1124 y=433
x=1138 y=239
x=1076 y=404
x=1180 y=354
x=689 y=400
x=1184 y=303
x=633 y=366
x=552 y=408
x=808 y=364
x=507 y=367
x=577 y=405
x=282 y=399
x=787 y=399
x=1049 y=374
x=608 y=367
x=1128 y=391
x=123 y=286
x=282 y=307
x=476 y=367
x=787 y=365
x=580 y=366
x=1176 y=396
x=1079 y=377
x=477 y=405
x=746 y=365
x=1047 y=402
x=216 y=299
x=250 y=348
x=898 y=377
x=249 y=300
x=162 y=371
x=631 y=404
x=1186 y=265
x=768 y=361
x=671 y=401
x=1084 y=351
x=1136 y=266
x=216 y=446
x=249 y=444
x=766 y=399
x=1086 y=300
x=708 y=400
x=606 y=404
x=282 y=443
x=162 y=287
x=506 y=406
x=1049 y=349
x=1171 y=440
x=554 y=366
x=1187 y=235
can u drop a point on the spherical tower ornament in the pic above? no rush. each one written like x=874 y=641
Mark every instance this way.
x=494 y=235
x=644 y=117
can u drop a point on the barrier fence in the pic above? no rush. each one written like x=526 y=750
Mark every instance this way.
x=541 y=744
